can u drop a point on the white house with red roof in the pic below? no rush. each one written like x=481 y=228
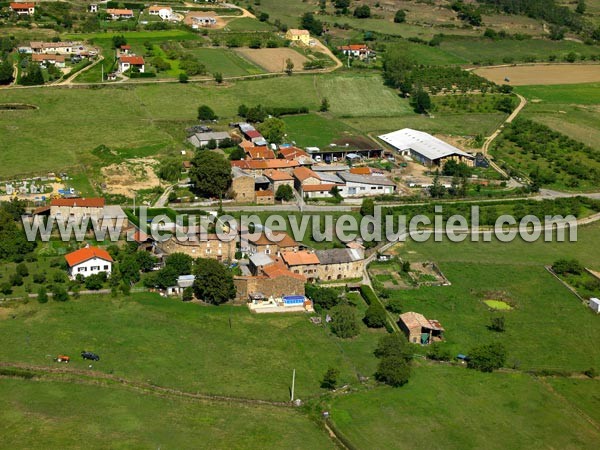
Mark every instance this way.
x=127 y=62
x=23 y=8
x=89 y=261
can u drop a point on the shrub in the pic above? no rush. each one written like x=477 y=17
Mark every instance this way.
x=375 y=316
x=22 y=270
x=42 y=295
x=330 y=379
x=344 y=323
x=393 y=371
x=487 y=358
x=438 y=353
x=16 y=279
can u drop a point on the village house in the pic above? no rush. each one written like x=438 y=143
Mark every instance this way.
x=420 y=330
x=44 y=60
x=268 y=243
x=295 y=35
x=57 y=48
x=318 y=190
x=265 y=197
x=118 y=14
x=23 y=8
x=303 y=176
x=164 y=12
x=131 y=62
x=425 y=148
x=207 y=246
x=258 y=152
x=302 y=262
x=277 y=178
x=257 y=167
x=272 y=281
x=297 y=154
x=340 y=263
x=88 y=261
x=200 y=19
x=124 y=49
x=242 y=185
x=78 y=209
x=199 y=140
x=360 y=51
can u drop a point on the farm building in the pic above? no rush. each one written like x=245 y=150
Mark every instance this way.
x=202 y=139
x=60 y=48
x=23 y=8
x=258 y=166
x=420 y=330
x=208 y=246
x=242 y=185
x=272 y=281
x=365 y=185
x=425 y=148
x=296 y=35
x=277 y=178
x=116 y=14
x=130 y=62
x=265 y=197
x=200 y=19
x=88 y=261
x=57 y=60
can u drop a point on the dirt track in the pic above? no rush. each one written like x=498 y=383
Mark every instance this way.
x=542 y=74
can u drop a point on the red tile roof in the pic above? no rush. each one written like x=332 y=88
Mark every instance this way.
x=84 y=254
x=19 y=5
x=282 y=240
x=94 y=202
x=354 y=47
x=279 y=270
x=277 y=175
x=125 y=47
x=300 y=258
x=134 y=60
x=292 y=152
x=57 y=58
x=263 y=164
x=302 y=173
x=266 y=193
x=318 y=187
x=253 y=134
x=263 y=152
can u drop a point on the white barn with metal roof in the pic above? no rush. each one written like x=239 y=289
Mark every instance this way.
x=425 y=148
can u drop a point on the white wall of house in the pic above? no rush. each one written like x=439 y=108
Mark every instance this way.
x=90 y=267
x=353 y=189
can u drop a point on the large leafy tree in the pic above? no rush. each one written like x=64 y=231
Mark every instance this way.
x=393 y=370
x=308 y=22
x=214 y=283
x=210 y=174
x=344 y=321
x=180 y=262
x=6 y=72
x=273 y=129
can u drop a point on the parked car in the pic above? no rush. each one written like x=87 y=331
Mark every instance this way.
x=89 y=355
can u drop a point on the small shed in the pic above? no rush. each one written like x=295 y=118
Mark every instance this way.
x=595 y=305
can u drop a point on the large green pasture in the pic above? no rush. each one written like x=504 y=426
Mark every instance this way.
x=54 y=414
x=456 y=408
x=539 y=327
x=219 y=350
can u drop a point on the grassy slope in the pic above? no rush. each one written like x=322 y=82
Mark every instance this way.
x=186 y=346
x=571 y=109
x=40 y=415
x=545 y=314
x=453 y=408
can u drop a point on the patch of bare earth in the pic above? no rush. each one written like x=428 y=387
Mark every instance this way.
x=542 y=74
x=273 y=59
x=130 y=176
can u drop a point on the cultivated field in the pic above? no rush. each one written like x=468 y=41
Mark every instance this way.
x=273 y=59
x=542 y=74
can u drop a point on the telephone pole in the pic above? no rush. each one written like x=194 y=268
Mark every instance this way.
x=293 y=384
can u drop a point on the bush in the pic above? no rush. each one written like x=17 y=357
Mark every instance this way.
x=39 y=278
x=22 y=270
x=96 y=281
x=42 y=295
x=16 y=279
x=6 y=288
x=59 y=293
x=487 y=358
x=497 y=324
x=205 y=112
x=344 y=323
x=323 y=298
x=393 y=371
x=330 y=379
x=375 y=316
x=567 y=266
x=439 y=353
x=368 y=294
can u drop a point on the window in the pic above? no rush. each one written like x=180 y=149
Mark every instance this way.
x=106 y=267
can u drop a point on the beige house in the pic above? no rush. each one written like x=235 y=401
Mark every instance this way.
x=242 y=185
x=279 y=178
x=296 y=35
x=302 y=262
x=303 y=176
x=209 y=246
x=273 y=280
x=265 y=197
x=340 y=263
x=280 y=242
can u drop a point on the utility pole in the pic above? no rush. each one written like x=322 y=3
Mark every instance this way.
x=102 y=76
x=293 y=384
